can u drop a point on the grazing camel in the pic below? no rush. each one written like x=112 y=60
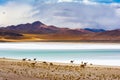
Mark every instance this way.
x=29 y=59
x=72 y=61
x=45 y=63
x=34 y=59
x=24 y=59
x=83 y=64
x=91 y=64
x=33 y=64
x=51 y=64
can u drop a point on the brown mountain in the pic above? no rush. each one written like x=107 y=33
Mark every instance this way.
x=38 y=30
x=34 y=28
x=112 y=33
x=108 y=35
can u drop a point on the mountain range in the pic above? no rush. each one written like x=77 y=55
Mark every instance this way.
x=40 y=31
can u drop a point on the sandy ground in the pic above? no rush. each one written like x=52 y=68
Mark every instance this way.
x=11 y=69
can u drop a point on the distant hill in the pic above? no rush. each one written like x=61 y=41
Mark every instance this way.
x=38 y=30
x=95 y=30
x=33 y=28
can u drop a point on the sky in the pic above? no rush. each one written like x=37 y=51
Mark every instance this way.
x=100 y=14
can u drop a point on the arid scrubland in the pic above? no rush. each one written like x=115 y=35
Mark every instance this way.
x=33 y=70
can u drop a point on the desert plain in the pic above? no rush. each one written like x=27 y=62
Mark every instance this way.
x=13 y=69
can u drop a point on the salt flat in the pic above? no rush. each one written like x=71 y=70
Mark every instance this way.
x=58 y=45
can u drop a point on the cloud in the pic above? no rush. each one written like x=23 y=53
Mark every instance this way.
x=83 y=1
x=80 y=15
x=16 y=13
x=62 y=13
x=65 y=0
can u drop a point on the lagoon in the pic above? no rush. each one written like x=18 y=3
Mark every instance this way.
x=100 y=54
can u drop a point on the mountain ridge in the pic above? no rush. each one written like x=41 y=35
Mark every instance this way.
x=38 y=27
x=51 y=32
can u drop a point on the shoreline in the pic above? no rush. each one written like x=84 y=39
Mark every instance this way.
x=59 y=63
x=67 y=62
